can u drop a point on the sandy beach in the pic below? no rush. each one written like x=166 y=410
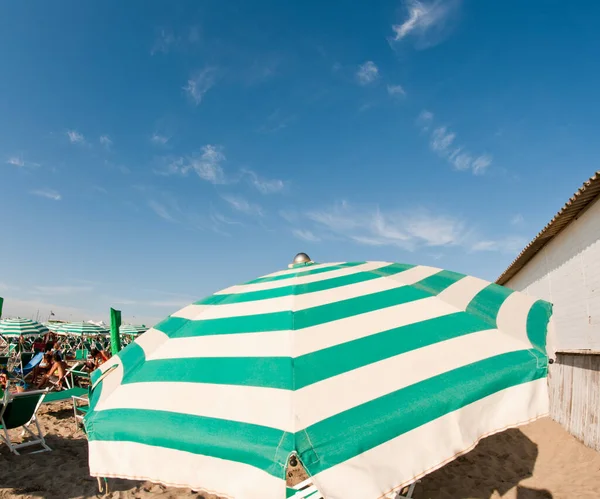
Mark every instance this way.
x=537 y=461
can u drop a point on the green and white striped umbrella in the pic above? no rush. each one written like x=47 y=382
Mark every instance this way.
x=54 y=326
x=13 y=328
x=132 y=329
x=81 y=329
x=371 y=373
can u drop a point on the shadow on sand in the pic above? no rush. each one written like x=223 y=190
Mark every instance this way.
x=498 y=464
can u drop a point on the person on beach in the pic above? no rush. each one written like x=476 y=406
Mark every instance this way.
x=57 y=372
x=42 y=367
x=6 y=386
x=98 y=357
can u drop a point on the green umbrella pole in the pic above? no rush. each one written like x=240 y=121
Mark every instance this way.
x=115 y=325
x=1 y=303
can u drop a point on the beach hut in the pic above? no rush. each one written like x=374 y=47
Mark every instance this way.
x=562 y=265
x=371 y=374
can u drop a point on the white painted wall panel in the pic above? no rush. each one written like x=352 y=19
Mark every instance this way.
x=567 y=273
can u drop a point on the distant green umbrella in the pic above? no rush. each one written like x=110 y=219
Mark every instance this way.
x=53 y=326
x=14 y=328
x=81 y=329
x=132 y=329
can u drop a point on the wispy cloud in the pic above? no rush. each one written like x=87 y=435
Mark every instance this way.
x=428 y=22
x=367 y=73
x=517 y=219
x=264 y=186
x=19 y=162
x=164 y=42
x=396 y=90
x=162 y=211
x=240 y=204
x=207 y=164
x=200 y=83
x=159 y=139
x=61 y=290
x=276 y=121
x=75 y=137
x=510 y=244
x=410 y=229
x=47 y=193
x=305 y=235
x=105 y=141
x=442 y=141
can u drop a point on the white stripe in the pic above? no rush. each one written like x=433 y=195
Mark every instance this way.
x=271 y=407
x=307 y=279
x=512 y=316
x=170 y=467
x=308 y=340
x=302 y=269
x=315 y=403
x=246 y=404
x=308 y=300
x=429 y=447
x=462 y=292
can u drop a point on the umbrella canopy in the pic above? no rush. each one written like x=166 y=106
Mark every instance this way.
x=13 y=328
x=81 y=329
x=132 y=329
x=372 y=373
x=53 y=326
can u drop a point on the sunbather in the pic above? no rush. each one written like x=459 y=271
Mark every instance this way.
x=42 y=367
x=57 y=372
x=98 y=357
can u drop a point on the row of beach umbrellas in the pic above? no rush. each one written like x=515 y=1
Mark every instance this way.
x=16 y=327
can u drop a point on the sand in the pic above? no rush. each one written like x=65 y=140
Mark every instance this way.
x=537 y=461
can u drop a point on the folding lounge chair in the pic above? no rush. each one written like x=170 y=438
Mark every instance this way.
x=19 y=410
x=26 y=370
x=306 y=490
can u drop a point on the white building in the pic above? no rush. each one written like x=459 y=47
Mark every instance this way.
x=562 y=265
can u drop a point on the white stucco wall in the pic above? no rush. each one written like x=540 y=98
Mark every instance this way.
x=567 y=273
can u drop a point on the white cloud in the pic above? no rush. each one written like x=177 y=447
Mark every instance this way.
x=159 y=139
x=162 y=211
x=426 y=20
x=367 y=73
x=396 y=90
x=264 y=186
x=442 y=140
x=206 y=164
x=47 y=193
x=407 y=230
x=241 y=205
x=62 y=290
x=75 y=137
x=163 y=43
x=510 y=244
x=105 y=141
x=199 y=84
x=15 y=161
x=305 y=235
x=517 y=219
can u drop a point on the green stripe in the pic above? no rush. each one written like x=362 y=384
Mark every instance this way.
x=378 y=421
x=176 y=327
x=486 y=304
x=301 y=289
x=223 y=439
x=314 y=271
x=317 y=366
x=537 y=324
x=276 y=372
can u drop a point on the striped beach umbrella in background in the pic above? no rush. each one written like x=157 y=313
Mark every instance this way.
x=373 y=374
x=53 y=326
x=81 y=329
x=14 y=328
x=132 y=329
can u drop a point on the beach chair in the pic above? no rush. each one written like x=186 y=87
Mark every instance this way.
x=19 y=410
x=81 y=406
x=27 y=369
x=306 y=490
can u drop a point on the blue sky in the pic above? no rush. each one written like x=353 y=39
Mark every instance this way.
x=152 y=153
